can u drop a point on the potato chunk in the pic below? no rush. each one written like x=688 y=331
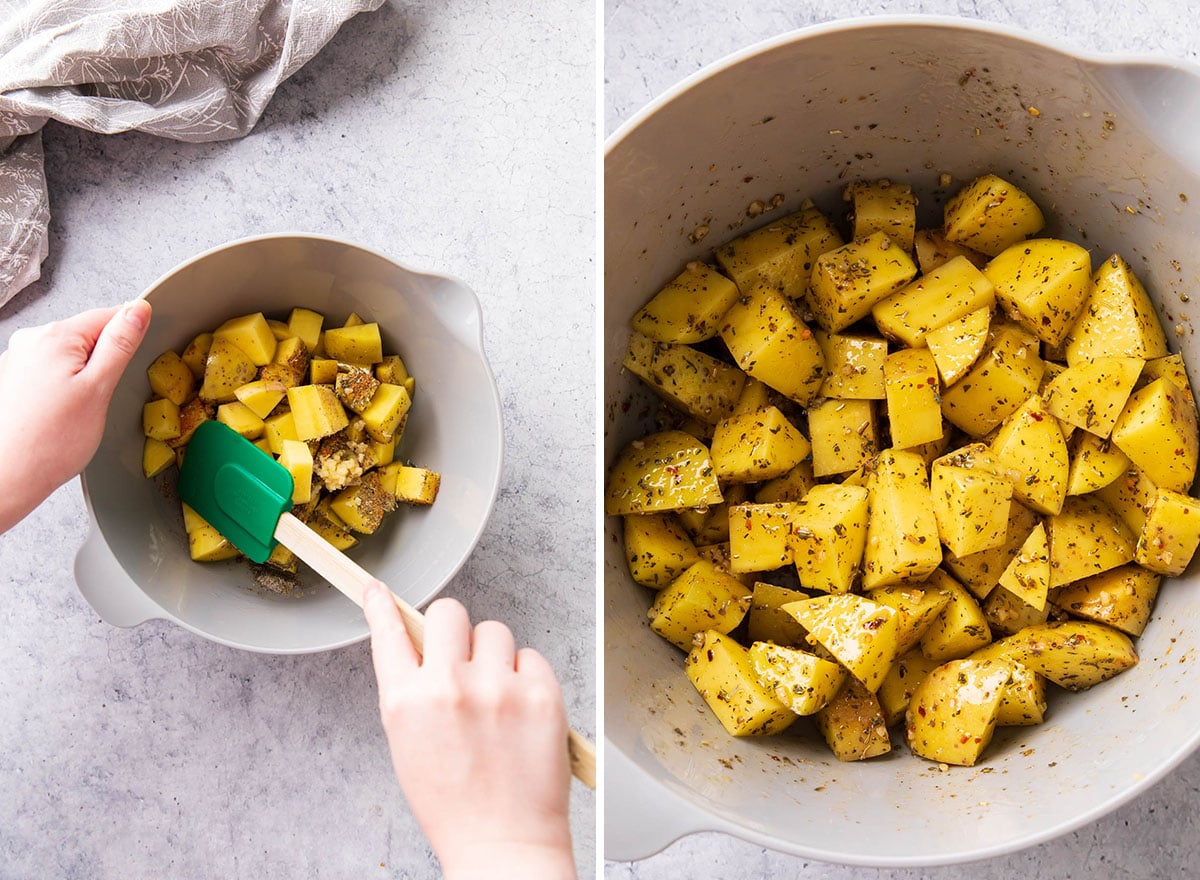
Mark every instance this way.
x=1118 y=318
x=883 y=206
x=252 y=334
x=362 y=507
x=171 y=377
x=360 y=345
x=261 y=397
x=316 y=411
x=902 y=534
x=355 y=388
x=934 y=249
x=957 y=345
x=160 y=420
x=828 y=535
x=1171 y=534
x=759 y=536
x=842 y=434
x=1042 y=284
x=1074 y=655
x=1095 y=463
x=1157 y=430
x=770 y=342
x=412 y=485
x=663 y=472
x=756 y=446
x=768 y=622
x=860 y=633
x=723 y=674
x=853 y=724
x=780 y=255
x=849 y=280
x=689 y=308
x=803 y=682
x=1086 y=538
x=226 y=369
x=242 y=419
x=699 y=385
x=196 y=354
x=952 y=714
x=947 y=293
x=917 y=606
x=1028 y=574
x=1091 y=394
x=990 y=214
x=913 y=398
x=657 y=549
x=306 y=324
x=853 y=366
x=702 y=598
x=298 y=460
x=1121 y=597
x=970 y=500
x=901 y=682
x=1030 y=447
x=1008 y=371
x=157 y=456
x=387 y=414
x=960 y=627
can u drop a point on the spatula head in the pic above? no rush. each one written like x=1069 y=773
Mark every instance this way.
x=239 y=489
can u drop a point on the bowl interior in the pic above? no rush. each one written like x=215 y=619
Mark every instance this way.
x=1096 y=143
x=454 y=428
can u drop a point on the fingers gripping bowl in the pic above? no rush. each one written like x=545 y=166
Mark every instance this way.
x=135 y=565
x=1105 y=141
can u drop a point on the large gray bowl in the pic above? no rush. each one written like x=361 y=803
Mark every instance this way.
x=134 y=565
x=1110 y=151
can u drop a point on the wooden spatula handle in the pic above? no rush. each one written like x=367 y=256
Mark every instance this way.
x=352 y=579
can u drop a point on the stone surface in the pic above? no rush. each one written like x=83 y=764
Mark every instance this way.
x=455 y=136
x=652 y=44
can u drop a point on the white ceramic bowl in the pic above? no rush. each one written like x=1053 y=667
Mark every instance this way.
x=134 y=565
x=1111 y=154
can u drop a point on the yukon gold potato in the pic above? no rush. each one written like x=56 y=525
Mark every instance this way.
x=157 y=456
x=1007 y=613
x=771 y=343
x=298 y=460
x=945 y=294
x=1170 y=367
x=1086 y=538
x=1157 y=430
x=699 y=385
x=250 y=333
x=860 y=633
x=849 y=280
x=1129 y=496
x=1117 y=320
x=1092 y=393
x=1024 y=700
x=1095 y=463
x=957 y=345
x=917 y=606
x=279 y=428
x=226 y=369
x=171 y=377
x=780 y=255
x=1030 y=447
x=360 y=345
x=902 y=533
x=828 y=534
x=913 y=399
x=261 y=397
x=1028 y=574
x=883 y=206
x=689 y=308
x=792 y=486
x=710 y=525
x=989 y=214
x=842 y=433
x=160 y=420
x=413 y=485
x=1121 y=597
x=196 y=354
x=1009 y=370
x=1074 y=655
x=657 y=549
x=702 y=598
x=663 y=472
x=853 y=724
x=768 y=622
x=387 y=413
x=759 y=536
x=316 y=411
x=952 y=713
x=970 y=500
x=191 y=415
x=901 y=682
x=306 y=324
x=980 y=572
x=723 y=673
x=756 y=446
x=754 y=396
x=853 y=366
x=363 y=505
x=934 y=249
x=803 y=682
x=241 y=419
x=1171 y=534
x=1042 y=284
x=959 y=628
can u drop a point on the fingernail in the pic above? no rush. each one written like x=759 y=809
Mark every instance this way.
x=136 y=313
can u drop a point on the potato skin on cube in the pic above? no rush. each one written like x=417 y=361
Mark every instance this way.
x=722 y=673
x=1121 y=597
x=990 y=214
x=662 y=472
x=771 y=343
x=851 y=279
x=853 y=724
x=226 y=369
x=414 y=485
x=1074 y=655
x=883 y=206
x=702 y=598
x=952 y=714
x=689 y=308
x=756 y=446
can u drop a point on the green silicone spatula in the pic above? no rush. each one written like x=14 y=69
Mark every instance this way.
x=247 y=496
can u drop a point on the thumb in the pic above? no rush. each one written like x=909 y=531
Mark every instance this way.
x=117 y=343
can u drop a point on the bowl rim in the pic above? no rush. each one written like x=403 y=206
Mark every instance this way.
x=640 y=776
x=492 y=492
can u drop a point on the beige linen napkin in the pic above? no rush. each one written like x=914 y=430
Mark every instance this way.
x=193 y=70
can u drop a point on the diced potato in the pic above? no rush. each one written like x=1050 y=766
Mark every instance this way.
x=689 y=308
x=1129 y=496
x=970 y=501
x=853 y=724
x=191 y=415
x=382 y=453
x=780 y=255
x=1030 y=447
x=1094 y=463
x=848 y=281
x=1074 y=655
x=242 y=419
x=1091 y=394
x=264 y=445
x=292 y=352
x=917 y=606
x=354 y=319
x=1171 y=534
x=1118 y=318
x=666 y=471
x=901 y=682
x=913 y=399
x=387 y=414
x=316 y=411
x=157 y=456
x=1024 y=701
x=1007 y=613
x=171 y=377
x=261 y=397
x=718 y=555
x=279 y=329
x=722 y=672
x=1086 y=538
x=883 y=206
x=356 y=387
x=306 y=324
x=934 y=249
x=756 y=446
x=280 y=374
x=710 y=525
x=657 y=549
x=770 y=342
x=860 y=633
x=952 y=714
x=792 y=486
x=298 y=460
x=842 y=433
x=1121 y=597
x=362 y=506
x=1157 y=430
x=957 y=345
x=227 y=369
x=205 y=543
x=699 y=385
x=990 y=214
x=322 y=371
x=391 y=370
x=828 y=535
x=768 y=622
x=947 y=293
x=279 y=428
x=1170 y=367
x=196 y=354
x=960 y=628
x=281 y=558
x=334 y=534
x=702 y=598
x=360 y=345
x=1008 y=371
x=853 y=366
x=250 y=333
x=160 y=420
x=902 y=534
x=412 y=485
x=1042 y=284
x=758 y=536
x=803 y=682
x=1028 y=574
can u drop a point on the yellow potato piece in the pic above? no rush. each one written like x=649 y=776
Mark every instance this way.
x=989 y=214
x=226 y=369
x=902 y=533
x=196 y=354
x=883 y=206
x=1009 y=370
x=853 y=724
x=690 y=380
x=306 y=324
x=1095 y=463
x=657 y=549
x=1074 y=655
x=771 y=343
x=768 y=622
x=316 y=411
x=945 y=294
x=261 y=397
x=1086 y=538
x=853 y=366
x=901 y=682
x=803 y=682
x=721 y=671
x=1157 y=430
x=957 y=345
x=828 y=536
x=780 y=255
x=360 y=345
x=842 y=434
x=1171 y=534
x=934 y=249
x=160 y=420
x=860 y=633
x=1030 y=447
x=960 y=627
x=1091 y=394
x=1118 y=319
x=689 y=308
x=666 y=471
x=952 y=714
x=971 y=499
x=756 y=446
x=1042 y=285
x=848 y=281
x=250 y=333
x=1028 y=574
x=758 y=536
x=171 y=377
x=913 y=398
x=702 y=598
x=157 y=456
x=1121 y=597
x=298 y=460
x=917 y=606
x=242 y=419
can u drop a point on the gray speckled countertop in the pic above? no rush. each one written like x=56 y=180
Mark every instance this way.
x=455 y=136
x=652 y=44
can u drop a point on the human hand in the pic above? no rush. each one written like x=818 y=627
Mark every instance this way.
x=55 y=384
x=478 y=735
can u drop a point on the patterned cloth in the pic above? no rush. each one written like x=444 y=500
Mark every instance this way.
x=193 y=70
